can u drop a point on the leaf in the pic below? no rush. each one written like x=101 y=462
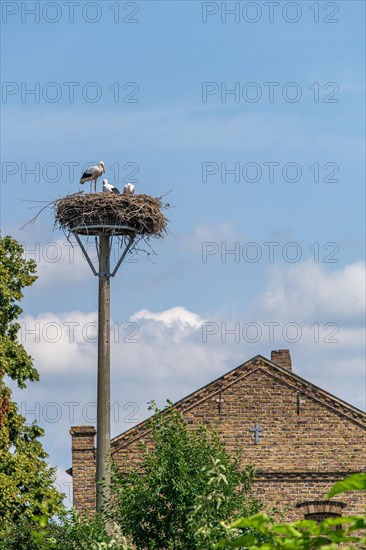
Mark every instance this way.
x=353 y=482
x=287 y=529
x=258 y=521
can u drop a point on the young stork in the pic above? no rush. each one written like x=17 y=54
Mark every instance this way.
x=109 y=188
x=129 y=189
x=92 y=174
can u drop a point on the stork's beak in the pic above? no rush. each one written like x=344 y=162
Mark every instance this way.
x=103 y=170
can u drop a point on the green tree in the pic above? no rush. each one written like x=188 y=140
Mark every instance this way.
x=185 y=485
x=26 y=481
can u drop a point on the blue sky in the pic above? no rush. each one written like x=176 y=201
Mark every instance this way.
x=175 y=127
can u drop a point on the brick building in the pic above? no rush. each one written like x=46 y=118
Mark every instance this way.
x=300 y=438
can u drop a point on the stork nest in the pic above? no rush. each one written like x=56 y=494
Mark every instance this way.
x=90 y=214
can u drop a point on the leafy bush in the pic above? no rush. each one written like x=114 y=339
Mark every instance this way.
x=185 y=486
x=74 y=532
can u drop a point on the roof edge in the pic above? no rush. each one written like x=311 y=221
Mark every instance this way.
x=256 y=361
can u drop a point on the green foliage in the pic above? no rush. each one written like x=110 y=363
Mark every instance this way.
x=300 y=535
x=353 y=482
x=185 y=486
x=15 y=274
x=75 y=532
x=330 y=534
x=69 y=532
x=205 y=516
x=257 y=532
x=26 y=482
x=17 y=535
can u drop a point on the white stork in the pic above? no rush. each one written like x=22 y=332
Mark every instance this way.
x=109 y=188
x=129 y=189
x=92 y=174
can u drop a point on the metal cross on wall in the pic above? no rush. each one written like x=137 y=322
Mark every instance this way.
x=256 y=432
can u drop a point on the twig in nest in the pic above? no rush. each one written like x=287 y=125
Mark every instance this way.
x=31 y=221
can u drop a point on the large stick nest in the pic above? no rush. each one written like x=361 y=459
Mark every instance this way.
x=85 y=213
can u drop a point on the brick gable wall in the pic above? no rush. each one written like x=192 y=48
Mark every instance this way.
x=308 y=441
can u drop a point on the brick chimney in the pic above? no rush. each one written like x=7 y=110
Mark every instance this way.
x=282 y=357
x=83 y=468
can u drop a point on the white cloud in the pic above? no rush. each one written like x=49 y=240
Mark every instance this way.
x=308 y=290
x=59 y=343
x=174 y=316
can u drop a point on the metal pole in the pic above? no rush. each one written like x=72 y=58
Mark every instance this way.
x=103 y=392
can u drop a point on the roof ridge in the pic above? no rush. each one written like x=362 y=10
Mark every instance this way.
x=219 y=384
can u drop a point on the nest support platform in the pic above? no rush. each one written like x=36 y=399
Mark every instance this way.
x=104 y=228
